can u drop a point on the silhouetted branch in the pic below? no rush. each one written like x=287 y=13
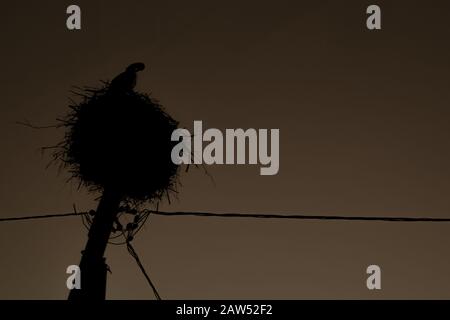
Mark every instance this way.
x=28 y=124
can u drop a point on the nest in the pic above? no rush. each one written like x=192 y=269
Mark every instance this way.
x=120 y=141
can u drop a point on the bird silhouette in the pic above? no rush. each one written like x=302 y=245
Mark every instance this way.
x=126 y=81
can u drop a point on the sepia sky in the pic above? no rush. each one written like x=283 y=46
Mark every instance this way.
x=364 y=130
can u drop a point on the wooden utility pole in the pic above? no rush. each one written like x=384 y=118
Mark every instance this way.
x=92 y=266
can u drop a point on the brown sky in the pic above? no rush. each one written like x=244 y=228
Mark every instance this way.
x=363 y=120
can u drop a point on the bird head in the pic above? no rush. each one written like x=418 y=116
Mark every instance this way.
x=135 y=67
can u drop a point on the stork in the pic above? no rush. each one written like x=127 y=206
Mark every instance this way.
x=126 y=81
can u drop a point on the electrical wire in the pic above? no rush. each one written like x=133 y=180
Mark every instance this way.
x=250 y=215
x=138 y=261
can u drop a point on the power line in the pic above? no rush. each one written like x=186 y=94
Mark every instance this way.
x=133 y=253
x=57 y=215
x=301 y=217
x=251 y=215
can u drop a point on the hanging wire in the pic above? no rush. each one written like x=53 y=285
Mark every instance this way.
x=138 y=261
